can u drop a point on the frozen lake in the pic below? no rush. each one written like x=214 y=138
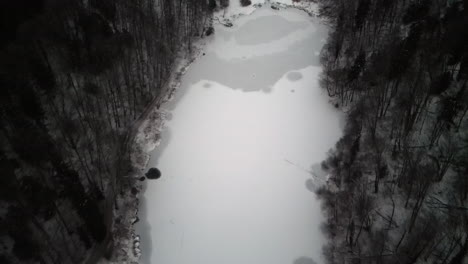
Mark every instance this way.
x=249 y=127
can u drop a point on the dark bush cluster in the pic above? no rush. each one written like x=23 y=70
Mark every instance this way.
x=245 y=2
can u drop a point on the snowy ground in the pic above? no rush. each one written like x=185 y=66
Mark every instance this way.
x=239 y=153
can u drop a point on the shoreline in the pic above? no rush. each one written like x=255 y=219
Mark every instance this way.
x=143 y=138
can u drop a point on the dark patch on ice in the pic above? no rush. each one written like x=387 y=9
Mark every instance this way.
x=294 y=76
x=292 y=91
x=304 y=260
x=207 y=85
x=310 y=185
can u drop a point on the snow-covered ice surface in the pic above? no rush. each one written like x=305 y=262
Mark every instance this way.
x=247 y=128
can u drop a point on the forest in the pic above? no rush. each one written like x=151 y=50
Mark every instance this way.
x=398 y=179
x=74 y=77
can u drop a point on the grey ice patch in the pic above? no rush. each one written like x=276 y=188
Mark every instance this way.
x=267 y=90
x=254 y=33
x=294 y=76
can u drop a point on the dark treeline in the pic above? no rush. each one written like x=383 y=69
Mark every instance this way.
x=398 y=185
x=74 y=76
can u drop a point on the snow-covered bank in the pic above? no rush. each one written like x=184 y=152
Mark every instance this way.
x=245 y=131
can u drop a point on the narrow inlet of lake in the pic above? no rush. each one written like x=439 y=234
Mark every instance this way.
x=240 y=154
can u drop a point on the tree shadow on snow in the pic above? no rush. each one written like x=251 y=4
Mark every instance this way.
x=318 y=178
x=304 y=260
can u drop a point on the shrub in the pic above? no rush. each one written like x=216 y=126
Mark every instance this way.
x=245 y=2
x=224 y=3
x=153 y=174
x=209 y=31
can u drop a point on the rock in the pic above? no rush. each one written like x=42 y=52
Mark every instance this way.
x=142 y=178
x=153 y=174
x=134 y=191
x=228 y=24
x=274 y=7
